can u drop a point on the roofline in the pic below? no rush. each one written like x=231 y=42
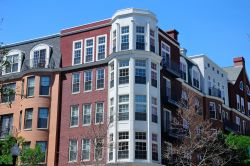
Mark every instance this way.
x=32 y=40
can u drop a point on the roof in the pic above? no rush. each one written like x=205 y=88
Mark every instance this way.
x=233 y=72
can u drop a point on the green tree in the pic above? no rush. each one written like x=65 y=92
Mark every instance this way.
x=31 y=157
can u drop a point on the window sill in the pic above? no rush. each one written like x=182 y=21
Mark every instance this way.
x=75 y=93
x=45 y=96
x=42 y=128
x=100 y=89
x=73 y=126
x=30 y=96
x=86 y=125
x=87 y=91
x=28 y=129
x=85 y=160
x=72 y=162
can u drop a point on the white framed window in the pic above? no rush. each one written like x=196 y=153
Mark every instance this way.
x=85 y=149
x=88 y=80
x=43 y=148
x=212 y=110
x=241 y=85
x=43 y=118
x=98 y=149
x=155 y=147
x=89 y=50
x=13 y=62
x=242 y=103
x=183 y=69
x=99 y=112
x=123 y=113
x=123 y=145
x=123 y=71
x=111 y=146
x=30 y=86
x=238 y=102
x=197 y=106
x=140 y=71
x=77 y=52
x=101 y=47
x=114 y=41
x=112 y=76
x=75 y=83
x=73 y=149
x=124 y=37
x=140 y=108
x=154 y=74
x=100 y=75
x=28 y=118
x=44 y=86
x=165 y=53
x=111 y=110
x=154 y=109
x=168 y=87
x=237 y=120
x=74 y=116
x=152 y=40
x=195 y=77
x=39 y=56
x=86 y=114
x=140 y=38
x=140 y=145
x=184 y=98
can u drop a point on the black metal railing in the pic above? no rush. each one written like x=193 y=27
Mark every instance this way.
x=38 y=64
x=172 y=67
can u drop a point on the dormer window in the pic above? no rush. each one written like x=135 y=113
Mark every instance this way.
x=195 y=78
x=140 y=38
x=13 y=62
x=165 y=53
x=183 y=69
x=39 y=57
x=241 y=85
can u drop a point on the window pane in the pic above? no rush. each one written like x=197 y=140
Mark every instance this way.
x=44 y=85
x=31 y=86
x=43 y=114
x=28 y=118
x=43 y=147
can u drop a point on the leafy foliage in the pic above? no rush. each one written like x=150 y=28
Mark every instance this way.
x=31 y=157
x=5 y=153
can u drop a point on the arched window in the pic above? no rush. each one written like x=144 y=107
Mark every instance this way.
x=183 y=68
x=13 y=62
x=39 y=56
x=195 y=77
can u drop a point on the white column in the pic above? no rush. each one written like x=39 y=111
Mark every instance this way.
x=131 y=109
x=156 y=41
x=159 y=109
x=148 y=37
x=116 y=72
x=149 y=135
x=118 y=34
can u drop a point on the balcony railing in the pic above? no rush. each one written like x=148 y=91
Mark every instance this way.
x=214 y=92
x=172 y=67
x=6 y=131
x=38 y=64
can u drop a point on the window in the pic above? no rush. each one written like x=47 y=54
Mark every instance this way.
x=140 y=39
x=44 y=85
x=184 y=99
x=248 y=104
x=112 y=76
x=123 y=145
x=85 y=149
x=111 y=111
x=73 y=148
x=20 y=120
x=22 y=90
x=154 y=74
x=114 y=41
x=183 y=69
x=124 y=72
x=238 y=102
x=99 y=113
x=101 y=47
x=237 y=119
x=154 y=147
x=111 y=146
x=99 y=78
x=89 y=45
x=43 y=147
x=212 y=110
x=165 y=53
x=140 y=71
x=242 y=105
x=86 y=114
x=125 y=38
x=140 y=145
x=152 y=40
x=77 y=53
x=248 y=90
x=75 y=82
x=196 y=78
x=244 y=127
x=43 y=114
x=123 y=107
x=168 y=88
x=28 y=118
x=8 y=92
x=31 y=86
x=13 y=63
x=26 y=145
x=74 y=116
x=98 y=148
x=197 y=106
x=40 y=59
x=140 y=107
x=154 y=110
x=241 y=85
x=88 y=80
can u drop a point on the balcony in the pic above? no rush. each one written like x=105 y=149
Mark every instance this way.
x=38 y=64
x=177 y=133
x=172 y=67
x=214 y=92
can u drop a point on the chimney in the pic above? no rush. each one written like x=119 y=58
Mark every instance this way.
x=183 y=51
x=173 y=33
x=239 y=61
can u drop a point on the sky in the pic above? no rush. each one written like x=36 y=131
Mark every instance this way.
x=218 y=28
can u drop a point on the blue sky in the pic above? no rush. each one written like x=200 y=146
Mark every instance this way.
x=218 y=28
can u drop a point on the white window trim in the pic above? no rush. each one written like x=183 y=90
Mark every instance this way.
x=27 y=86
x=37 y=48
x=85 y=49
x=89 y=149
x=182 y=60
x=123 y=34
x=11 y=53
x=195 y=69
x=102 y=112
x=72 y=80
x=47 y=118
x=242 y=105
x=166 y=51
x=144 y=141
x=97 y=48
x=73 y=51
x=71 y=116
x=85 y=80
x=213 y=110
x=97 y=77
x=123 y=140
x=50 y=86
x=238 y=105
x=123 y=103
x=76 y=151
x=99 y=159
x=83 y=108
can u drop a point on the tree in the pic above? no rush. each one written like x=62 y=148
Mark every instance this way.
x=31 y=157
x=198 y=142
